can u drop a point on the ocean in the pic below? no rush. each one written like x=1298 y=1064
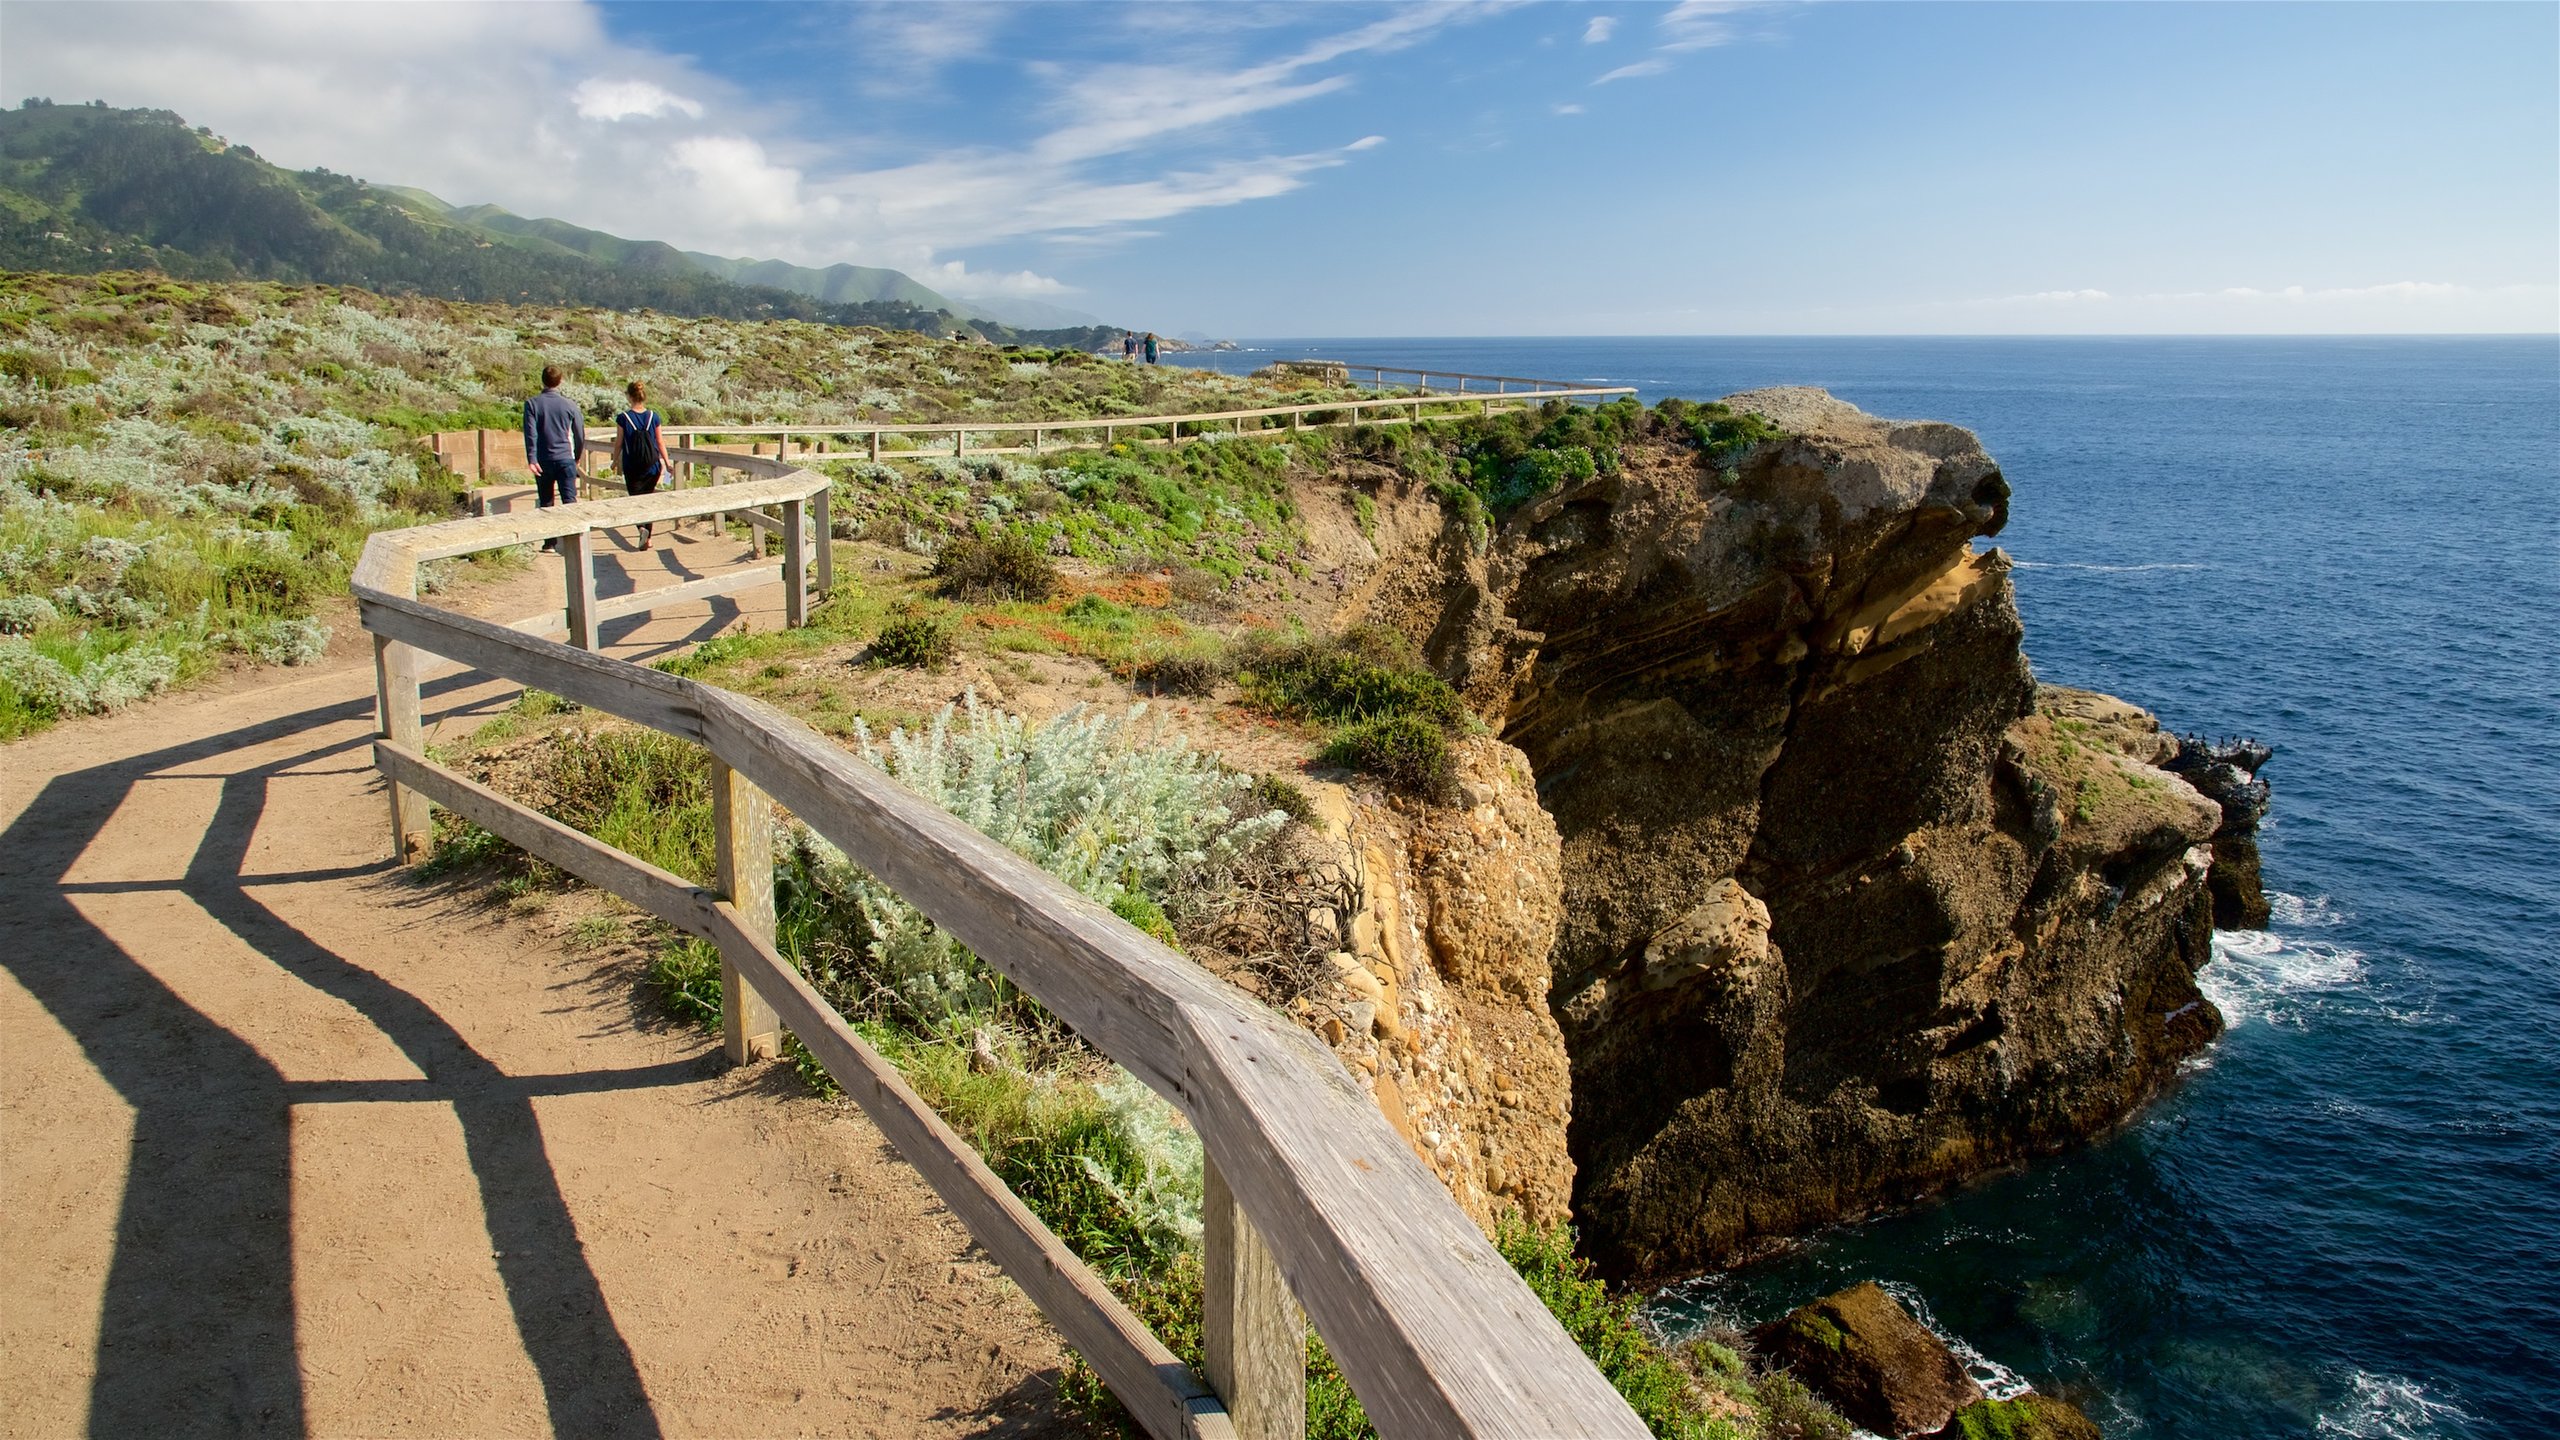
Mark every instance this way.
x=2345 y=1220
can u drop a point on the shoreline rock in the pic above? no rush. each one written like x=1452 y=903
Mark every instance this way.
x=1851 y=909
x=2226 y=772
x=1878 y=1366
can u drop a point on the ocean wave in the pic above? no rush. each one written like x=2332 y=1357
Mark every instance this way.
x=2385 y=1407
x=2107 y=569
x=2270 y=977
x=1997 y=1380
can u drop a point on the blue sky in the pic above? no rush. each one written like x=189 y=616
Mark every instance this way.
x=1341 y=169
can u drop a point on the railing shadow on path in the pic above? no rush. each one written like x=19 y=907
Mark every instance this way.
x=197 y=1331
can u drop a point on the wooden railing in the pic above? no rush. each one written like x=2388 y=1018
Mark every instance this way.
x=1312 y=1199
x=984 y=437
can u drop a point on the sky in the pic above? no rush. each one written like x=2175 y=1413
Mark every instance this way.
x=1348 y=169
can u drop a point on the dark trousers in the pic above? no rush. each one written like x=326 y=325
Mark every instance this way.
x=643 y=485
x=555 y=477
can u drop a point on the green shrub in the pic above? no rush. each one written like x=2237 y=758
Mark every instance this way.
x=1191 y=675
x=1406 y=751
x=916 y=639
x=1272 y=792
x=1098 y=613
x=1012 y=566
x=1721 y=433
x=1390 y=718
x=1367 y=673
x=265 y=584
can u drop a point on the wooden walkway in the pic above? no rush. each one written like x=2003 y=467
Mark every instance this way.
x=293 y=1145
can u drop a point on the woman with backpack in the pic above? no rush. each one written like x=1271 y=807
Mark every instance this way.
x=639 y=450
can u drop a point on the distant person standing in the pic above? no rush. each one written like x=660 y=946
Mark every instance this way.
x=555 y=435
x=1129 y=346
x=640 y=450
x=1151 y=347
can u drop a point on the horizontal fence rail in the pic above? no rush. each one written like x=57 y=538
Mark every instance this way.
x=1313 y=1199
x=882 y=441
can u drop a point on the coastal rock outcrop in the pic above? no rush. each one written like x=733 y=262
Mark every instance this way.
x=1850 y=910
x=1439 y=1000
x=2226 y=773
x=1880 y=1368
x=2026 y=1417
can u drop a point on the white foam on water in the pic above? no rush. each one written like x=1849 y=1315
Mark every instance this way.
x=2107 y=569
x=2273 y=978
x=1997 y=1380
x=2386 y=1407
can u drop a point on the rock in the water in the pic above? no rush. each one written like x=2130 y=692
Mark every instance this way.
x=2226 y=773
x=1880 y=1368
x=2029 y=1417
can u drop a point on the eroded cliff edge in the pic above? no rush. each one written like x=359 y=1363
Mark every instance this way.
x=1850 y=909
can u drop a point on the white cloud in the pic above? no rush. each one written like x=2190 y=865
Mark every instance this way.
x=1600 y=29
x=2063 y=296
x=1567 y=109
x=733 y=174
x=956 y=279
x=602 y=99
x=1636 y=71
x=525 y=107
x=1366 y=142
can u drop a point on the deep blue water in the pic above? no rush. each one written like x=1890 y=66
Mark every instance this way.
x=2346 y=1221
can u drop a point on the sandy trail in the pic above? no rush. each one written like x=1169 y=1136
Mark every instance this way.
x=294 y=1144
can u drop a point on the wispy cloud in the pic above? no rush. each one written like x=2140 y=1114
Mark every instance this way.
x=1700 y=24
x=1636 y=71
x=1600 y=29
x=1567 y=109
x=1688 y=26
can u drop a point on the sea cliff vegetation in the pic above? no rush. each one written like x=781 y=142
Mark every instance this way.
x=188 y=470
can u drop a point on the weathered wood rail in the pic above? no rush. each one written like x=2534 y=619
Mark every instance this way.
x=1312 y=1198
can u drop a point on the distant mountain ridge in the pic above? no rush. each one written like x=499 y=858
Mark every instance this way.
x=88 y=187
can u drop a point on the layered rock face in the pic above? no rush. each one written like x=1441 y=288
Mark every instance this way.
x=1440 y=997
x=1846 y=914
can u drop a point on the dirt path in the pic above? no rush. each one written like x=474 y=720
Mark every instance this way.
x=293 y=1144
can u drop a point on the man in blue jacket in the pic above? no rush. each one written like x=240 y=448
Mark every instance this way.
x=555 y=435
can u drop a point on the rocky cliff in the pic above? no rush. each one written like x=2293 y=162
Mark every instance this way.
x=1849 y=909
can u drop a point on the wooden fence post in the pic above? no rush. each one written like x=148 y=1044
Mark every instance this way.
x=480 y=468
x=396 y=719
x=822 y=522
x=578 y=558
x=875 y=446
x=742 y=818
x=795 y=564
x=1252 y=1330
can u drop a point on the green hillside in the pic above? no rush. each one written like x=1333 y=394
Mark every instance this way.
x=88 y=188
x=835 y=282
